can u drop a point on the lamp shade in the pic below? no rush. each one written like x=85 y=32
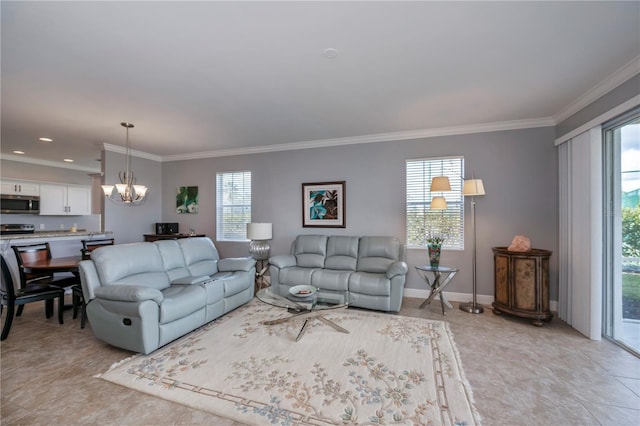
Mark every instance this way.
x=438 y=203
x=259 y=231
x=440 y=184
x=473 y=187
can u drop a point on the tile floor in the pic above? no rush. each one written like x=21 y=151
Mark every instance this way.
x=520 y=375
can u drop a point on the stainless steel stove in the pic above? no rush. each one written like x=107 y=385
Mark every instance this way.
x=17 y=228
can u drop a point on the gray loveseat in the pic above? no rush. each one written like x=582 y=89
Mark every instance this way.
x=372 y=269
x=141 y=296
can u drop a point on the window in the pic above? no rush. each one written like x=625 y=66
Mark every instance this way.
x=421 y=220
x=233 y=205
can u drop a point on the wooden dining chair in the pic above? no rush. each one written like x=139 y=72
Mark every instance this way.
x=90 y=245
x=28 y=294
x=33 y=252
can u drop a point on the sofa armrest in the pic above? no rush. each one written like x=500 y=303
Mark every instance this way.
x=129 y=293
x=89 y=279
x=283 y=261
x=397 y=268
x=232 y=264
x=189 y=280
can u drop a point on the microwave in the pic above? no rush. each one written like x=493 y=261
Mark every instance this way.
x=19 y=204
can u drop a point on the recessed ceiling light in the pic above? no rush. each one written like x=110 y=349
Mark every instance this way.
x=46 y=139
x=18 y=152
x=68 y=160
x=330 y=53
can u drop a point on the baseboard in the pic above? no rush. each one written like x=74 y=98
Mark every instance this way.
x=483 y=299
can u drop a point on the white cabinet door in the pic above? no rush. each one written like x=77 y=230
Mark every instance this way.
x=8 y=187
x=65 y=200
x=78 y=200
x=19 y=188
x=53 y=199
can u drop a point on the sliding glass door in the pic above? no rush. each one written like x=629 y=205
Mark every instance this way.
x=622 y=231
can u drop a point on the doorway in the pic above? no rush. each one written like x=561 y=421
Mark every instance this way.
x=621 y=308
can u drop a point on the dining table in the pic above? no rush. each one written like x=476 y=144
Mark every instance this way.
x=53 y=265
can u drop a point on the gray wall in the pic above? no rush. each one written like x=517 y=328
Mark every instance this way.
x=518 y=168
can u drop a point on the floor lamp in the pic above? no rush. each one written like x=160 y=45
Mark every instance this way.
x=471 y=188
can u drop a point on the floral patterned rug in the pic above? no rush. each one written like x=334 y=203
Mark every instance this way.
x=389 y=369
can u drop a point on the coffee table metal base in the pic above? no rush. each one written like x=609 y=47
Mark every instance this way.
x=309 y=316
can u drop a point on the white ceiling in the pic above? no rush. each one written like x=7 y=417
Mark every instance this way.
x=230 y=77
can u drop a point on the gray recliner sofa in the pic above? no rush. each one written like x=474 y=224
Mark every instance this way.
x=371 y=269
x=141 y=296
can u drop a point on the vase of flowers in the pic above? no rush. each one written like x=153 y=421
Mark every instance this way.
x=434 y=246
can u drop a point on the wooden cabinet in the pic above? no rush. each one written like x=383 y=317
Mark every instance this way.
x=14 y=187
x=156 y=237
x=65 y=200
x=522 y=283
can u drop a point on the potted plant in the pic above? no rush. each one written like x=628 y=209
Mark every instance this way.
x=434 y=246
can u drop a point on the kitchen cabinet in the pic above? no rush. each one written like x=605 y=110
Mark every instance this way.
x=155 y=237
x=65 y=200
x=15 y=187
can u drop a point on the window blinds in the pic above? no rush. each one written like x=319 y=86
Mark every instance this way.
x=421 y=220
x=233 y=205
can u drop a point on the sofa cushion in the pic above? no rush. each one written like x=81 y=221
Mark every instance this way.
x=180 y=301
x=310 y=250
x=377 y=254
x=296 y=276
x=232 y=282
x=329 y=279
x=172 y=259
x=215 y=291
x=131 y=264
x=200 y=255
x=368 y=283
x=342 y=253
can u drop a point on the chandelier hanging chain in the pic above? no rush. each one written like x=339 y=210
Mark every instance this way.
x=127 y=177
x=126 y=192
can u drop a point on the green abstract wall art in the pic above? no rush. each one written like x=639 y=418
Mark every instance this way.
x=187 y=200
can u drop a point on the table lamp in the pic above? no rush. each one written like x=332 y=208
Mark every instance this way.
x=259 y=234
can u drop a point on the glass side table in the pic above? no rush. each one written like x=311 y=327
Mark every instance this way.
x=437 y=278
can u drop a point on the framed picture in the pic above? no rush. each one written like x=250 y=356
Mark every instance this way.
x=323 y=205
x=187 y=199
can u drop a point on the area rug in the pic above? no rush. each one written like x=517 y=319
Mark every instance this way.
x=389 y=369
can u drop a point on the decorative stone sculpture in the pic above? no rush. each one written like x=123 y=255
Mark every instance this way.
x=520 y=243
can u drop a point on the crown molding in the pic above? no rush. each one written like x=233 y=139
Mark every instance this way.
x=40 y=162
x=614 y=80
x=379 y=137
x=606 y=116
x=140 y=154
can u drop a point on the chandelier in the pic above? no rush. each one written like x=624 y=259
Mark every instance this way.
x=126 y=192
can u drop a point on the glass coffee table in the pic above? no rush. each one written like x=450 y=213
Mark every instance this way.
x=310 y=304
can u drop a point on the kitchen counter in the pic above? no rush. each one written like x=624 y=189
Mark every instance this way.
x=39 y=235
